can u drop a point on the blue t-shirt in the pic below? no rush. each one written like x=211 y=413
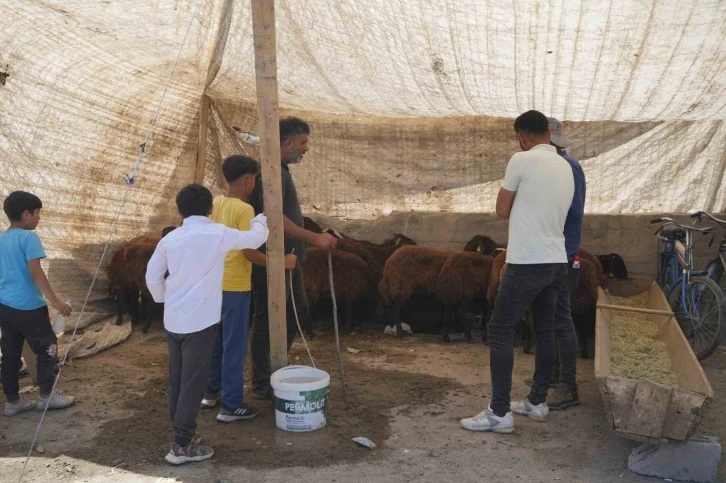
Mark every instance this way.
x=573 y=222
x=17 y=288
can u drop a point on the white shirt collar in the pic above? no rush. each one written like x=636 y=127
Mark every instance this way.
x=196 y=219
x=547 y=147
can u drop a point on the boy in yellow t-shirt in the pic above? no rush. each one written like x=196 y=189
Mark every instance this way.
x=230 y=347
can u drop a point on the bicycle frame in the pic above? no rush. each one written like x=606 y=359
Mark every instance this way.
x=678 y=259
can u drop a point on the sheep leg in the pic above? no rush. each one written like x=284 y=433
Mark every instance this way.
x=118 y=293
x=447 y=316
x=349 y=317
x=145 y=310
x=133 y=300
x=466 y=323
x=397 y=317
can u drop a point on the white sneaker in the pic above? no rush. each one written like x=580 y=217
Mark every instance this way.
x=56 y=401
x=535 y=413
x=488 y=421
x=19 y=406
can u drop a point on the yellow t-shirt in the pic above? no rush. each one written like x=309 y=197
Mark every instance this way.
x=236 y=214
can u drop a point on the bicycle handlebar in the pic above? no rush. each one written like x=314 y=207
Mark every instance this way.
x=670 y=221
x=700 y=214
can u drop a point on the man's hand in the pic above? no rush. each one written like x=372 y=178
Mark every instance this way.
x=61 y=307
x=325 y=241
x=504 y=270
x=290 y=262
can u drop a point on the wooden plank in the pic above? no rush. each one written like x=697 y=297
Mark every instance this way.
x=649 y=409
x=620 y=395
x=202 y=140
x=622 y=308
x=602 y=339
x=684 y=412
x=683 y=361
x=263 y=27
x=31 y=361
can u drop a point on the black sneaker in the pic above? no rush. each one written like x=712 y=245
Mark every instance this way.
x=262 y=394
x=192 y=453
x=245 y=412
x=562 y=397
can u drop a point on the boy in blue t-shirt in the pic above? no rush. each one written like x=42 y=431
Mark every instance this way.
x=23 y=310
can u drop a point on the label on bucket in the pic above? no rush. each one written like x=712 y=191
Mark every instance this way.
x=304 y=413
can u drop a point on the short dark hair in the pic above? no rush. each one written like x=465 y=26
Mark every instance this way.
x=291 y=127
x=194 y=200
x=237 y=166
x=532 y=122
x=18 y=202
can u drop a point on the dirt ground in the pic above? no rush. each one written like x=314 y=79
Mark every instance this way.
x=406 y=395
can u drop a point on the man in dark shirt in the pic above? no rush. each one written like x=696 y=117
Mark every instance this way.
x=294 y=135
x=565 y=394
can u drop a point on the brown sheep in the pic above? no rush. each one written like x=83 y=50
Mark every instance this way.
x=603 y=279
x=364 y=252
x=352 y=277
x=463 y=278
x=408 y=270
x=126 y=272
x=484 y=245
x=381 y=250
x=583 y=304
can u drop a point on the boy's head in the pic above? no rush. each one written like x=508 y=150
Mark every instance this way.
x=240 y=173
x=194 y=200
x=23 y=209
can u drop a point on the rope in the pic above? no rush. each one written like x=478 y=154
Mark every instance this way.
x=297 y=319
x=129 y=184
x=335 y=322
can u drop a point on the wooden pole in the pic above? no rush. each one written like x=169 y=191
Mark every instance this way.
x=624 y=308
x=202 y=147
x=263 y=28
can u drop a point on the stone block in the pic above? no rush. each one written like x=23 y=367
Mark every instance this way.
x=696 y=460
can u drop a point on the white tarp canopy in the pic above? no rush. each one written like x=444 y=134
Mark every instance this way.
x=410 y=102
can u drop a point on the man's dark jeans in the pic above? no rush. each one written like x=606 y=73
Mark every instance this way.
x=524 y=287
x=565 y=365
x=260 y=335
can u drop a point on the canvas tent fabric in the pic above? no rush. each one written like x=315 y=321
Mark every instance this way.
x=411 y=104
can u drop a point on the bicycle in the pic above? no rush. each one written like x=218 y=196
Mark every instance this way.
x=696 y=300
x=716 y=267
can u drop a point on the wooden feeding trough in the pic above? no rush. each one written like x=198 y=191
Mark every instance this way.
x=643 y=410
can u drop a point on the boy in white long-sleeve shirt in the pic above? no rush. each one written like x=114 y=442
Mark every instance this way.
x=194 y=256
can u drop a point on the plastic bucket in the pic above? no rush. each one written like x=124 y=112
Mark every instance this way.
x=300 y=398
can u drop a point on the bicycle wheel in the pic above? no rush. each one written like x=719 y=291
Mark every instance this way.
x=701 y=313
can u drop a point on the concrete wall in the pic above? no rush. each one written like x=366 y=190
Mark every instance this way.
x=631 y=236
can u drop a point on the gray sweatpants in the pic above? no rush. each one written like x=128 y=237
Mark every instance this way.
x=190 y=361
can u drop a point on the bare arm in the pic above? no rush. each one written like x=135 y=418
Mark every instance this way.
x=296 y=233
x=255 y=256
x=260 y=259
x=322 y=240
x=36 y=271
x=505 y=200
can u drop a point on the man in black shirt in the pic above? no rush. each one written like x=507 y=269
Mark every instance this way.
x=294 y=134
